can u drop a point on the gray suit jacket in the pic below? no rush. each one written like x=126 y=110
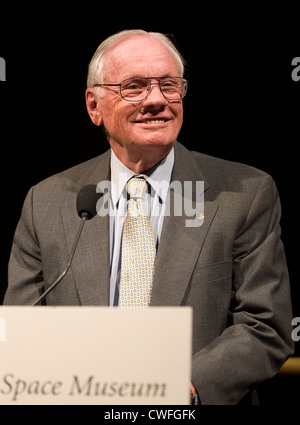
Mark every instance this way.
x=231 y=270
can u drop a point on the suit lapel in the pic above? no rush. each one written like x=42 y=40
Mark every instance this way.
x=180 y=246
x=91 y=263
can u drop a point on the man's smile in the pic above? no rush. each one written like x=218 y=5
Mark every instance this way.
x=159 y=121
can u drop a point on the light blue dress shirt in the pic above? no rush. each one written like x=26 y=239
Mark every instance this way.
x=155 y=203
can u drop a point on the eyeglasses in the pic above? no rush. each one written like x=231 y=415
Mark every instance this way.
x=137 y=89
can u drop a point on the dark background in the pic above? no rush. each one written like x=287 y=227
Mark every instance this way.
x=242 y=103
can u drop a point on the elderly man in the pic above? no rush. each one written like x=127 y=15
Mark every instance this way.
x=229 y=266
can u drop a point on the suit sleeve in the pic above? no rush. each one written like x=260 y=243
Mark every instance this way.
x=257 y=340
x=25 y=276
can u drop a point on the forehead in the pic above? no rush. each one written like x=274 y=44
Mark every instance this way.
x=139 y=56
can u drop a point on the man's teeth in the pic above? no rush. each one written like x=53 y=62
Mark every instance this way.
x=155 y=121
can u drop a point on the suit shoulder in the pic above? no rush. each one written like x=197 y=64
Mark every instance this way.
x=233 y=177
x=214 y=166
x=73 y=175
x=60 y=185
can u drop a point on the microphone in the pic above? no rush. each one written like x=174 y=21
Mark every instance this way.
x=86 y=202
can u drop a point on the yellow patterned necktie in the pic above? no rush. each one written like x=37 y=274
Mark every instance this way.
x=138 y=249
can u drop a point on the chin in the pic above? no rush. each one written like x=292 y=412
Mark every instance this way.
x=157 y=145
x=157 y=140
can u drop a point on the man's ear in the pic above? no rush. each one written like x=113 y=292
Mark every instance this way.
x=93 y=107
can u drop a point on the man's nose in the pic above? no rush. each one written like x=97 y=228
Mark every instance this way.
x=155 y=96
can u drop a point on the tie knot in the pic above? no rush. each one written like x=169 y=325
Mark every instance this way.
x=136 y=187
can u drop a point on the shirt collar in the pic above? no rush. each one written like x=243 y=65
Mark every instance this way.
x=158 y=177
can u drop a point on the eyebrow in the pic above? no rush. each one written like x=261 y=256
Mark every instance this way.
x=168 y=74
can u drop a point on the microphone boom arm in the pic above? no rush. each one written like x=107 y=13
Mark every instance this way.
x=84 y=218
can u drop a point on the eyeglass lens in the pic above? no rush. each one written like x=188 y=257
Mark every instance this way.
x=135 y=89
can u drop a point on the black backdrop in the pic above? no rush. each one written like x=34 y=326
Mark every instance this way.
x=242 y=103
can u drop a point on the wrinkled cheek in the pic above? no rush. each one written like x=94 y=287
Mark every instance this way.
x=122 y=134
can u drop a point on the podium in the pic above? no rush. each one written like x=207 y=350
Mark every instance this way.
x=95 y=355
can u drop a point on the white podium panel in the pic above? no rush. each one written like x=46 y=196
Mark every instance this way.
x=95 y=355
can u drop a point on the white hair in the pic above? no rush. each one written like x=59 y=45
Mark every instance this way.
x=96 y=66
